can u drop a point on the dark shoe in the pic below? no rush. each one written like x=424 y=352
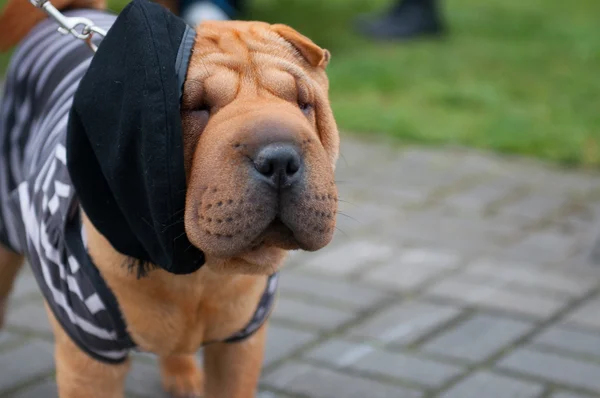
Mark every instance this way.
x=410 y=19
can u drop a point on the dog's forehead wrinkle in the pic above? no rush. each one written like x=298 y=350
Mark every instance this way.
x=253 y=63
x=270 y=62
x=278 y=92
x=242 y=38
x=231 y=61
x=233 y=43
x=272 y=45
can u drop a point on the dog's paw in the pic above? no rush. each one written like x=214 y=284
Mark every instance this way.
x=181 y=376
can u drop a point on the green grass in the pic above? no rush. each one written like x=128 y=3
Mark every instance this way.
x=513 y=76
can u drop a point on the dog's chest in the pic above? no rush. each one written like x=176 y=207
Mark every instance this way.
x=183 y=316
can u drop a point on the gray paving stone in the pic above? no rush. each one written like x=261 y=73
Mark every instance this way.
x=362 y=213
x=318 y=382
x=403 y=278
x=567 y=183
x=530 y=276
x=148 y=357
x=586 y=251
x=269 y=394
x=478 y=338
x=316 y=315
x=424 y=181
x=25 y=285
x=144 y=380
x=586 y=315
x=469 y=235
x=497 y=294
x=30 y=316
x=542 y=247
x=395 y=197
x=570 y=340
x=429 y=256
x=479 y=197
x=350 y=257
x=580 y=222
x=282 y=341
x=568 y=395
x=413 y=268
x=494 y=385
x=485 y=163
x=554 y=368
x=418 y=161
x=404 y=323
x=369 y=359
x=534 y=206
x=337 y=291
x=356 y=153
x=25 y=362
x=7 y=337
x=45 y=389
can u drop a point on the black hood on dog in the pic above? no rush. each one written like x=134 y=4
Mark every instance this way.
x=124 y=141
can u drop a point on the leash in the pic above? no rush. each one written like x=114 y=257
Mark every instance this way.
x=70 y=25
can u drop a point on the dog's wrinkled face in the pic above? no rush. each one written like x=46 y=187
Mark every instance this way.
x=260 y=144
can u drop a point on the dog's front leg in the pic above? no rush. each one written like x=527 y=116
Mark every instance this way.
x=181 y=376
x=10 y=263
x=79 y=375
x=232 y=370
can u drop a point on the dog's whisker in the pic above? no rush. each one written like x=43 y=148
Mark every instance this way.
x=172 y=224
x=175 y=214
x=344 y=159
x=345 y=201
x=348 y=216
x=178 y=212
x=345 y=234
x=179 y=236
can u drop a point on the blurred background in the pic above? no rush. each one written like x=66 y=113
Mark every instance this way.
x=470 y=209
x=511 y=76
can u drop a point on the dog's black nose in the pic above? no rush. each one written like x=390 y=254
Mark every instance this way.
x=280 y=165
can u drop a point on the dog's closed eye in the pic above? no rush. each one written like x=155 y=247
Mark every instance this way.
x=204 y=107
x=193 y=123
x=304 y=98
x=305 y=107
x=193 y=96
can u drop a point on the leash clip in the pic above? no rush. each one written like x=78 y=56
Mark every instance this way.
x=81 y=28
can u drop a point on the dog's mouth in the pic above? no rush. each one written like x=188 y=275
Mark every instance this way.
x=266 y=250
x=276 y=234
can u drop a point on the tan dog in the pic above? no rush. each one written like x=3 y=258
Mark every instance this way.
x=249 y=85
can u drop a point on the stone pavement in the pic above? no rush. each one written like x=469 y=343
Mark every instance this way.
x=454 y=275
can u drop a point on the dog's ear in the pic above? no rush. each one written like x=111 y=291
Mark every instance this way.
x=19 y=16
x=314 y=54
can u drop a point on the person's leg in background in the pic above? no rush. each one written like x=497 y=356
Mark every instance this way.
x=406 y=19
x=196 y=11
